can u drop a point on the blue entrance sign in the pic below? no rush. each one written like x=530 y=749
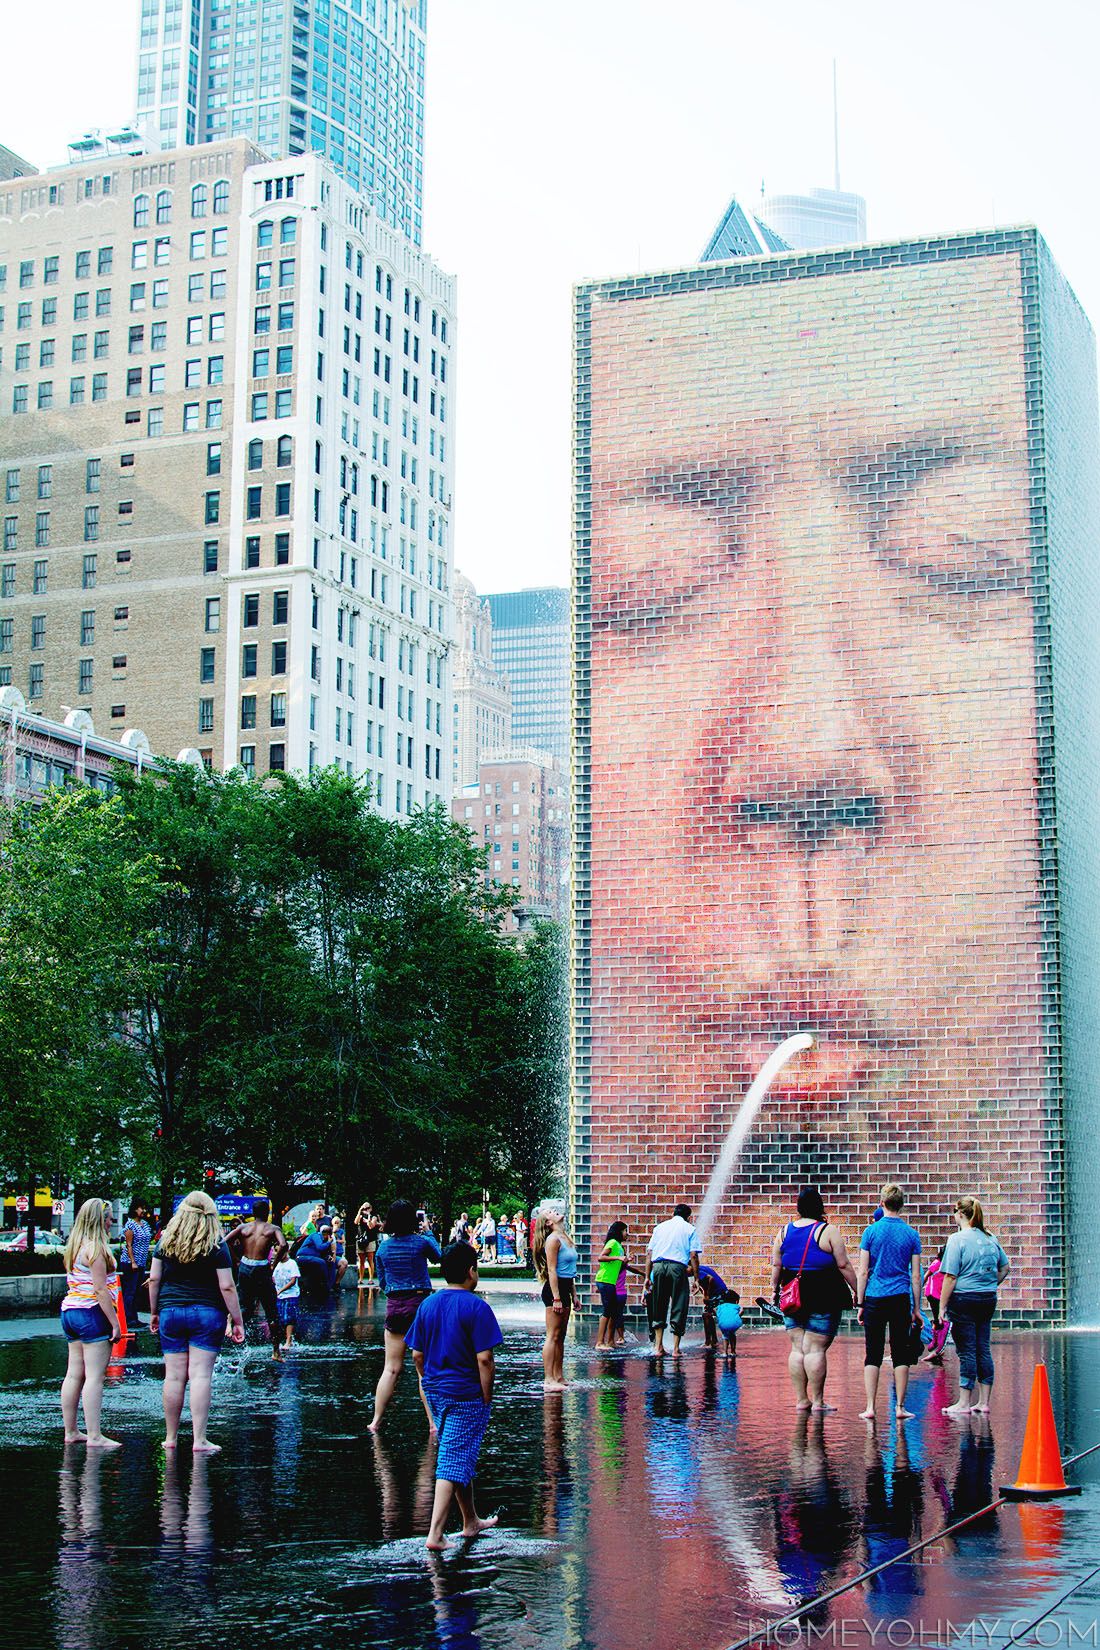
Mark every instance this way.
x=233 y=1203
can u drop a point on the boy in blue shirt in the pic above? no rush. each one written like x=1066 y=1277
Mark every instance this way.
x=452 y=1339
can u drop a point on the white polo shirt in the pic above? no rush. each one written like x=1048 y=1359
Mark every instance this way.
x=674 y=1240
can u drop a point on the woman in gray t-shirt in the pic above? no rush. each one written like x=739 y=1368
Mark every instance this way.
x=974 y=1265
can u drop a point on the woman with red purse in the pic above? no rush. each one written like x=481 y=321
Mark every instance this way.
x=811 y=1278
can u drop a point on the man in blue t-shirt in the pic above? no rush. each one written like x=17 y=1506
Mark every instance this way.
x=888 y=1297
x=452 y=1339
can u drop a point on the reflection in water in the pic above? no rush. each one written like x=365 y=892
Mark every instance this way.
x=406 y=1503
x=83 y=1562
x=668 y=1505
x=814 y=1518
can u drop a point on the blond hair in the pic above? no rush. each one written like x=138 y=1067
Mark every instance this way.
x=91 y=1233
x=543 y=1222
x=972 y=1209
x=193 y=1230
x=892 y=1196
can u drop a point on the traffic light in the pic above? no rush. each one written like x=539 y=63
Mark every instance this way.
x=59 y=1187
x=208 y=1182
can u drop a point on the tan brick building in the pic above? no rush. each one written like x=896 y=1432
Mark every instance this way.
x=519 y=811
x=224 y=465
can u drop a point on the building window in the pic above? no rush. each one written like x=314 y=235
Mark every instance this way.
x=252 y=552
x=282 y=498
x=278 y=658
x=87 y=627
x=213 y=507
x=280 y=606
x=190 y=416
x=210 y=556
x=248 y=659
x=164 y=206
x=141 y=211
x=282 y=549
x=35 y=682
x=99 y=386
x=251 y=611
x=248 y=710
x=6 y=632
x=7 y=579
x=91 y=475
x=261 y=362
x=278 y=707
x=155 y=421
x=41 y=573
x=206 y=715
x=255 y=455
x=198 y=204
x=282 y=403
x=206 y=664
x=213 y=415
x=91 y=522
x=213 y=613
x=253 y=503
x=45 y=394
x=42 y=529
x=259 y=408
x=87 y=577
x=213 y=458
x=221 y=198
x=276 y=758
x=84 y=685
x=248 y=761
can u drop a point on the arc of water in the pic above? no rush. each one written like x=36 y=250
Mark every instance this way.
x=743 y=1122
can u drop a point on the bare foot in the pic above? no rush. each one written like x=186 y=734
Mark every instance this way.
x=866 y=1414
x=76 y=1437
x=956 y=1409
x=979 y=1409
x=439 y=1546
x=823 y=1408
x=433 y=1430
x=904 y=1414
x=168 y=1443
x=553 y=1386
x=374 y=1425
x=206 y=1448
x=480 y=1526
x=803 y=1404
x=104 y=1443
x=277 y=1357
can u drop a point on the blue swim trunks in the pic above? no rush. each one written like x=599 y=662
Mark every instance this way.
x=461 y=1423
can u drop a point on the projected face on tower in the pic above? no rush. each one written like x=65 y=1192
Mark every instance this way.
x=813 y=730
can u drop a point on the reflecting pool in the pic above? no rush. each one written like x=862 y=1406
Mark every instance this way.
x=679 y=1506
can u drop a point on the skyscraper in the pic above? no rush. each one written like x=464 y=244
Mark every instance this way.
x=531 y=643
x=820 y=217
x=482 y=696
x=225 y=419
x=346 y=82
x=838 y=745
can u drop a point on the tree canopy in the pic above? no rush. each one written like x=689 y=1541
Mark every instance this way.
x=271 y=980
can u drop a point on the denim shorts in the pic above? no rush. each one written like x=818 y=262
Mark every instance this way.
x=185 y=1326
x=85 y=1323
x=818 y=1323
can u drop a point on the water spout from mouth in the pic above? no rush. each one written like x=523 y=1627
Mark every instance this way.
x=743 y=1122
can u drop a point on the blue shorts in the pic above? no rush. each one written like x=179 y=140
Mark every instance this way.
x=818 y=1323
x=182 y=1327
x=288 y=1310
x=85 y=1323
x=461 y=1423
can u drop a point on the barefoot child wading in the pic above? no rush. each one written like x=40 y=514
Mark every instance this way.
x=452 y=1339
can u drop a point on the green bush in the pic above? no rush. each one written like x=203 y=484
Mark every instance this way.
x=13 y=1263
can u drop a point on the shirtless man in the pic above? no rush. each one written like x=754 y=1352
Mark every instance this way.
x=259 y=1246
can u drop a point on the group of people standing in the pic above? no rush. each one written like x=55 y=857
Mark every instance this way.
x=814 y=1282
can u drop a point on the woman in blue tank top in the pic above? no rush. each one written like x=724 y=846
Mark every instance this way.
x=813 y=1251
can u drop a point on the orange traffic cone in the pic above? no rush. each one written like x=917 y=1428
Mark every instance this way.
x=117 y=1351
x=1041 y=1476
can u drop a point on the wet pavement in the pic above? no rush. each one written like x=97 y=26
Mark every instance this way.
x=681 y=1507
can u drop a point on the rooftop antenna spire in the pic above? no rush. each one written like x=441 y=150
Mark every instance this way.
x=836 y=135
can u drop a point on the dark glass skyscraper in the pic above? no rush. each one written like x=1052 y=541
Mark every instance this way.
x=531 y=642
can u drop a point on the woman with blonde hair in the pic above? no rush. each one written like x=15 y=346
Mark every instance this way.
x=89 y=1318
x=191 y=1292
x=973 y=1267
x=555 y=1261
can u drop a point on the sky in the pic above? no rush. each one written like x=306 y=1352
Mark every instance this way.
x=591 y=138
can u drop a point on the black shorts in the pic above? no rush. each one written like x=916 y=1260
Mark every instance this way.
x=565 y=1289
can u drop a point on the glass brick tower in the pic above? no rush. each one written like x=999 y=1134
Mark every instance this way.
x=346 y=82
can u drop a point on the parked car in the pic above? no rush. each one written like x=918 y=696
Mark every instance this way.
x=45 y=1243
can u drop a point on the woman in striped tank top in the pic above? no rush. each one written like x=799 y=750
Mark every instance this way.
x=90 y=1321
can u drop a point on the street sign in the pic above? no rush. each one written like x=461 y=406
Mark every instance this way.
x=21 y=1205
x=59 y=1208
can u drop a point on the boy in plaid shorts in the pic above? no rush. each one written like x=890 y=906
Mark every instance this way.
x=452 y=1340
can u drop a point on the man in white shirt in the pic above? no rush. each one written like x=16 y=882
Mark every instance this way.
x=671 y=1256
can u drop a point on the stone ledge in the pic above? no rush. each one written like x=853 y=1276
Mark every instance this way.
x=35 y=1290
